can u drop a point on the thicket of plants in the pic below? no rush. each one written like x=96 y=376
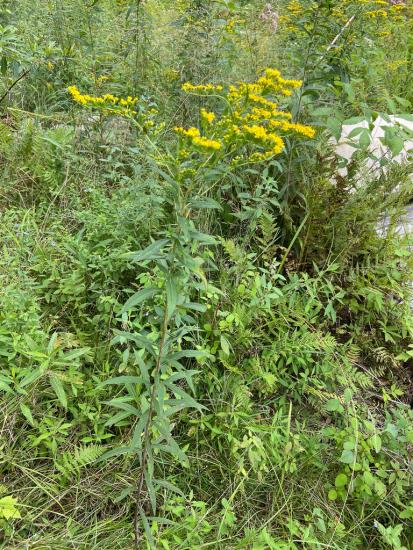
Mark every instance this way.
x=205 y=340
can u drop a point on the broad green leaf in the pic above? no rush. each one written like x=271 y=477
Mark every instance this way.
x=347 y=457
x=196 y=307
x=375 y=441
x=186 y=398
x=117 y=418
x=142 y=341
x=334 y=405
x=127 y=407
x=8 y=509
x=341 y=481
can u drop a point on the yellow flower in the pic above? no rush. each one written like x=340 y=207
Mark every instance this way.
x=108 y=102
x=188 y=87
x=255 y=131
x=207 y=116
x=207 y=143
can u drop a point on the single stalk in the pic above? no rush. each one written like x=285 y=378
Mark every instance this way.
x=146 y=438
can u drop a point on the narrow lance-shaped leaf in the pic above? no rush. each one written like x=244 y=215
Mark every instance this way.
x=139 y=297
x=151 y=252
x=59 y=390
x=171 y=296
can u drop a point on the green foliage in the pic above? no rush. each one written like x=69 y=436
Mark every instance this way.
x=202 y=347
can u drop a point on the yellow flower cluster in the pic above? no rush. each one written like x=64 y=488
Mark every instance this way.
x=271 y=83
x=260 y=133
x=207 y=116
x=252 y=120
x=341 y=10
x=107 y=101
x=206 y=143
x=188 y=87
x=376 y=13
x=229 y=27
x=199 y=141
x=306 y=131
x=295 y=8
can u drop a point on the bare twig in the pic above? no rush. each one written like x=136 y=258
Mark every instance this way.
x=23 y=75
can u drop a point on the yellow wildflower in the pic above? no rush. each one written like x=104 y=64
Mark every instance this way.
x=207 y=116
x=207 y=143
x=188 y=87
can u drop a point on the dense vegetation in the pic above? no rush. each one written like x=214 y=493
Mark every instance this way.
x=205 y=341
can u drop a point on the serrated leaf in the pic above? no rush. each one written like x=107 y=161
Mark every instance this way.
x=8 y=508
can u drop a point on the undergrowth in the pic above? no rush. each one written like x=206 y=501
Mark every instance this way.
x=206 y=330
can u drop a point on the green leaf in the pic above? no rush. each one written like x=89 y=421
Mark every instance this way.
x=195 y=306
x=59 y=390
x=348 y=395
x=32 y=377
x=365 y=138
x=151 y=252
x=334 y=405
x=332 y=494
x=171 y=296
x=118 y=451
x=207 y=203
x=4 y=65
x=121 y=380
x=347 y=457
x=375 y=441
x=139 y=297
x=5 y=387
x=8 y=508
x=169 y=486
x=341 y=481
x=224 y=345
x=142 y=341
x=26 y=412
x=127 y=407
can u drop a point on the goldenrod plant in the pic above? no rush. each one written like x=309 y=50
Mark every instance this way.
x=205 y=327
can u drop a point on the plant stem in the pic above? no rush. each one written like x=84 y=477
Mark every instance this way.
x=146 y=438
